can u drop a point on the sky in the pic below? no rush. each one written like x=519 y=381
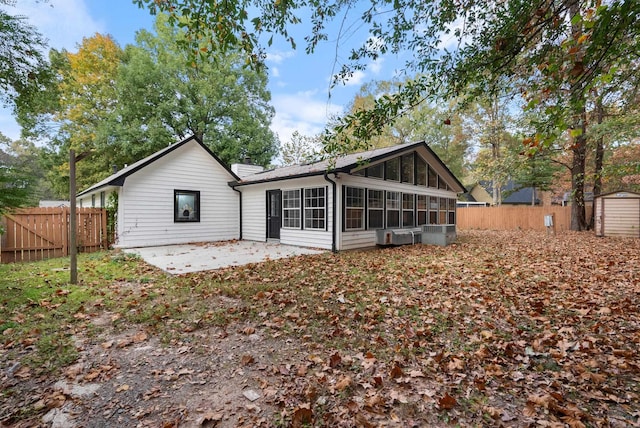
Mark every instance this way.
x=299 y=83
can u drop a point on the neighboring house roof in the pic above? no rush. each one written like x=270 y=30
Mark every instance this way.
x=119 y=177
x=519 y=196
x=341 y=164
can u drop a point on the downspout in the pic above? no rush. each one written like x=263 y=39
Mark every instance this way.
x=333 y=212
x=240 y=217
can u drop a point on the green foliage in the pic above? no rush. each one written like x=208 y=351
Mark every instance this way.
x=300 y=149
x=168 y=97
x=20 y=55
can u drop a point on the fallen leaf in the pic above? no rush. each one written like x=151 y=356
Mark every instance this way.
x=447 y=402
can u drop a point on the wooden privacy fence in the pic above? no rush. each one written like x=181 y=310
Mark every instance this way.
x=32 y=234
x=514 y=217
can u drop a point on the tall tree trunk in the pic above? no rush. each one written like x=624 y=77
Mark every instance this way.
x=579 y=147
x=597 y=173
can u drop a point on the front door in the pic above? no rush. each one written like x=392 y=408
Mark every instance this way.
x=274 y=208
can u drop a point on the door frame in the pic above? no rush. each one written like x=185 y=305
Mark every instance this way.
x=272 y=231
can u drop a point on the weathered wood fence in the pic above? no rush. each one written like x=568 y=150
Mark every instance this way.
x=32 y=234
x=514 y=217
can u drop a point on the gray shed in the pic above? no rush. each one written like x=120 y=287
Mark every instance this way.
x=617 y=214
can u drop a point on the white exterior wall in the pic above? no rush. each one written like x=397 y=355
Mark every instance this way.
x=254 y=211
x=367 y=238
x=146 y=201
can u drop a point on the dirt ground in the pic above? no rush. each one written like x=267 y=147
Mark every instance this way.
x=213 y=377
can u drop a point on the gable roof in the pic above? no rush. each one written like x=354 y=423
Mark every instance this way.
x=516 y=195
x=342 y=164
x=119 y=177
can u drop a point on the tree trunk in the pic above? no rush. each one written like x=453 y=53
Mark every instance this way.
x=599 y=158
x=579 y=149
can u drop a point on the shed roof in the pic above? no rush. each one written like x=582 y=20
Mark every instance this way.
x=343 y=164
x=119 y=177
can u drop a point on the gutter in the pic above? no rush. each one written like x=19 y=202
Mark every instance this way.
x=333 y=212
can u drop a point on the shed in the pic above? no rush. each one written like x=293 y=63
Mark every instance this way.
x=617 y=214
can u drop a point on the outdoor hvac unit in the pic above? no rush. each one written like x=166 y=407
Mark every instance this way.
x=438 y=234
x=398 y=236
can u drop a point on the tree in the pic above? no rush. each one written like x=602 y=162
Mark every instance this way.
x=558 y=49
x=300 y=149
x=442 y=128
x=15 y=182
x=21 y=59
x=162 y=98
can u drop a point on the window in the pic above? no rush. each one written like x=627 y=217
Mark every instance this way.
x=93 y=201
x=392 y=168
x=376 y=171
x=103 y=203
x=452 y=211
x=407 y=168
x=291 y=209
x=421 y=208
x=433 y=178
x=314 y=208
x=354 y=208
x=442 y=184
x=393 y=209
x=186 y=206
x=375 y=209
x=407 y=209
x=421 y=171
x=443 y=211
x=433 y=210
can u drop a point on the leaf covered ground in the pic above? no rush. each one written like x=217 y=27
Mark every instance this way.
x=500 y=329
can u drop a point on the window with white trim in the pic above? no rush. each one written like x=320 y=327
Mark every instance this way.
x=407 y=209
x=375 y=209
x=443 y=211
x=354 y=208
x=452 y=211
x=392 y=169
x=407 y=168
x=393 y=209
x=291 y=209
x=421 y=209
x=421 y=171
x=315 y=208
x=433 y=210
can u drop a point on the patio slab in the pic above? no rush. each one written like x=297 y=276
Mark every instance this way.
x=185 y=258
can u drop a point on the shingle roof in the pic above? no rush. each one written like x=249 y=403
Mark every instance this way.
x=341 y=164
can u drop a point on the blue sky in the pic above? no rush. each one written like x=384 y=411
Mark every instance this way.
x=299 y=83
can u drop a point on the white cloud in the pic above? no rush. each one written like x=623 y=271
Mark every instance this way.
x=356 y=79
x=275 y=71
x=277 y=57
x=63 y=22
x=376 y=66
x=301 y=112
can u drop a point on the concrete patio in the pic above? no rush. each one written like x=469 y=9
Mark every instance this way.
x=185 y=258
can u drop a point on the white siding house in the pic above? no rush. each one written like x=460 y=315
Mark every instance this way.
x=400 y=187
x=184 y=194
x=177 y=195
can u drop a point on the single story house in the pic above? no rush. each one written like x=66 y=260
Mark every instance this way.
x=184 y=193
x=617 y=214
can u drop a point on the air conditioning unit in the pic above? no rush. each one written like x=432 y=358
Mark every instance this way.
x=398 y=236
x=439 y=234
